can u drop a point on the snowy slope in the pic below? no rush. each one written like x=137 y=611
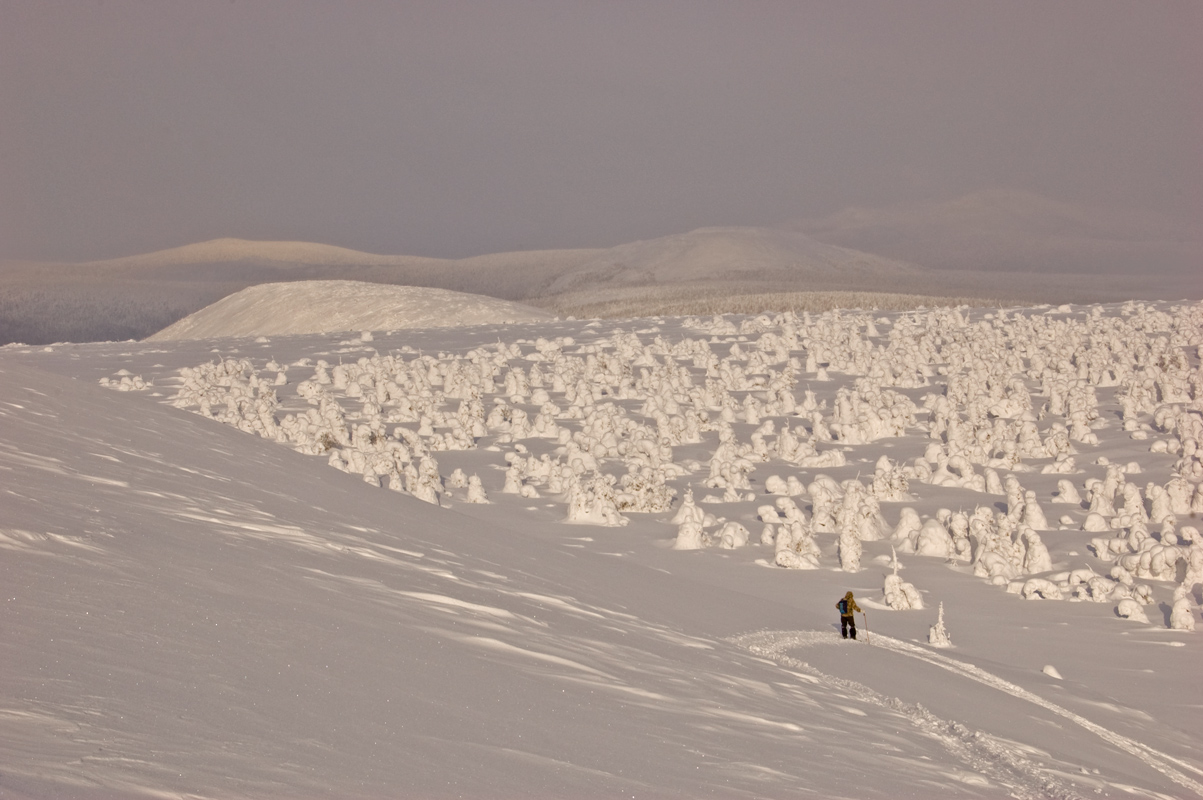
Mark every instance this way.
x=273 y=309
x=733 y=253
x=194 y=610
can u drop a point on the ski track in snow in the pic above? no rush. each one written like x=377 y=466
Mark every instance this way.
x=515 y=619
x=981 y=751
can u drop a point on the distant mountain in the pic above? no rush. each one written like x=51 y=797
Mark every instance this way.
x=508 y=275
x=970 y=247
x=1016 y=231
x=133 y=297
x=136 y=296
x=705 y=254
x=218 y=251
x=278 y=309
x=759 y=255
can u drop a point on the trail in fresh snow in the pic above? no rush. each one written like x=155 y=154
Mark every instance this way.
x=191 y=611
x=971 y=745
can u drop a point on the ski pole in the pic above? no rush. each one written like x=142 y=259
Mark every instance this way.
x=866 y=618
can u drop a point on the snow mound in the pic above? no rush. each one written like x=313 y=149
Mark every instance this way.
x=279 y=309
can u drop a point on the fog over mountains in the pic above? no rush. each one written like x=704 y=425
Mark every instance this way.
x=1007 y=230
x=967 y=248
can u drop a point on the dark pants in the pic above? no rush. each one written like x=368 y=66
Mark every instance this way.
x=848 y=624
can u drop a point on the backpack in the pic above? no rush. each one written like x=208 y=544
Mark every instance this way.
x=843 y=607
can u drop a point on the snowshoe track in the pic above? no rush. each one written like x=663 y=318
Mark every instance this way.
x=980 y=751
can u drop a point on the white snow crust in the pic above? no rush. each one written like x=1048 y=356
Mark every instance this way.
x=278 y=309
x=586 y=559
x=728 y=253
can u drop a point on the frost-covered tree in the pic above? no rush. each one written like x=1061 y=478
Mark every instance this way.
x=1182 y=614
x=476 y=491
x=937 y=635
x=850 y=549
x=899 y=594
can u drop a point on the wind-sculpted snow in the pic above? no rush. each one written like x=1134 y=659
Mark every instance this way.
x=997 y=757
x=276 y=309
x=573 y=558
x=615 y=425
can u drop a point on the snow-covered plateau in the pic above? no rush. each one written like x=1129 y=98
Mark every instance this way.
x=601 y=559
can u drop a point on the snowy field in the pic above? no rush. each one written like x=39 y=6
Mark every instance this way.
x=600 y=559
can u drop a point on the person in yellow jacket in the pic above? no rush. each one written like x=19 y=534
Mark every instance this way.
x=847 y=607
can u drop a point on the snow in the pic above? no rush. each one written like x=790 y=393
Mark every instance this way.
x=279 y=309
x=232 y=249
x=598 y=559
x=726 y=253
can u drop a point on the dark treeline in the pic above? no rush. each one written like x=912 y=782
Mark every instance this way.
x=88 y=311
x=42 y=304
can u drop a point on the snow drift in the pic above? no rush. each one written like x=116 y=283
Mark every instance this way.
x=276 y=309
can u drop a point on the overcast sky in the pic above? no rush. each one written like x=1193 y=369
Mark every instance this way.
x=452 y=128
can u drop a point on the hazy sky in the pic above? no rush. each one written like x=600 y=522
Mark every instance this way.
x=454 y=128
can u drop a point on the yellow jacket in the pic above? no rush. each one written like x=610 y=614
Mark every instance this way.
x=852 y=606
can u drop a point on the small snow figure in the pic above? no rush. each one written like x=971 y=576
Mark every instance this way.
x=476 y=491
x=690 y=536
x=899 y=594
x=847 y=606
x=1067 y=493
x=1036 y=559
x=937 y=635
x=457 y=479
x=1182 y=617
x=850 y=551
x=1033 y=516
x=1131 y=609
